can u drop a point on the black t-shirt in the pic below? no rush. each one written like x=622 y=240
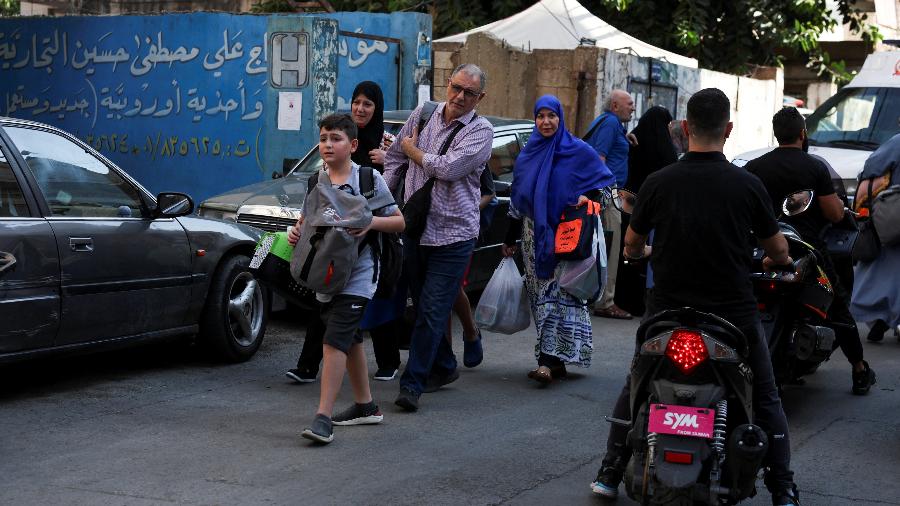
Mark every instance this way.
x=704 y=212
x=786 y=170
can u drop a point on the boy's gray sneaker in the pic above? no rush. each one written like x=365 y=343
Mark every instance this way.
x=359 y=414
x=320 y=431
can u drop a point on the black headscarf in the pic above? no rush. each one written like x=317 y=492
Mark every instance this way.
x=655 y=149
x=370 y=135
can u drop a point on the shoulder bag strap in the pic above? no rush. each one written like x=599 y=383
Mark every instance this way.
x=596 y=126
x=446 y=145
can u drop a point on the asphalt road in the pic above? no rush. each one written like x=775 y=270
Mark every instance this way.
x=163 y=425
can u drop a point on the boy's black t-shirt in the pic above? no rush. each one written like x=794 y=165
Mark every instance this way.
x=786 y=170
x=704 y=212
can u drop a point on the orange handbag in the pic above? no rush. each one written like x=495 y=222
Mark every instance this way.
x=574 y=234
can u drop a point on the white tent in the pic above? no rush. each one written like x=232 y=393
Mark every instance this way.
x=562 y=24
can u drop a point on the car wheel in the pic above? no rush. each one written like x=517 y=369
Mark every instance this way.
x=236 y=312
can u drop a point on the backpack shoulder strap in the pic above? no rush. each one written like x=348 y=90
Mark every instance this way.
x=366 y=182
x=428 y=109
x=312 y=181
x=367 y=190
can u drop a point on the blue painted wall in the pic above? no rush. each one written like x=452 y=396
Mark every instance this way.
x=186 y=101
x=378 y=60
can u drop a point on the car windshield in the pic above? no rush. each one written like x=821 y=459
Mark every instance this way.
x=856 y=118
x=312 y=162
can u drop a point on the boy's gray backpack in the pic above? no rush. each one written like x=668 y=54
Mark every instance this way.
x=326 y=253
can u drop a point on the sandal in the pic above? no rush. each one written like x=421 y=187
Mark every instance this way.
x=613 y=312
x=542 y=375
x=559 y=372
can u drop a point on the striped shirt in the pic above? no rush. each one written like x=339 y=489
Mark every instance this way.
x=454 y=213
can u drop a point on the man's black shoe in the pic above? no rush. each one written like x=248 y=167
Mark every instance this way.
x=385 y=373
x=608 y=478
x=408 y=400
x=437 y=381
x=876 y=332
x=301 y=375
x=607 y=482
x=786 y=497
x=863 y=380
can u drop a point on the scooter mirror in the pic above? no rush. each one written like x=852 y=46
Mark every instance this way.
x=797 y=202
x=624 y=200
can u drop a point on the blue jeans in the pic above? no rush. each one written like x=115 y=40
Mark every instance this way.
x=436 y=274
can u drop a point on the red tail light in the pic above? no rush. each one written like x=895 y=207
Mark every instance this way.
x=687 y=350
x=678 y=457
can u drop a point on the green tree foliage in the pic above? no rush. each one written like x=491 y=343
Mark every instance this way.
x=9 y=7
x=732 y=35
x=726 y=35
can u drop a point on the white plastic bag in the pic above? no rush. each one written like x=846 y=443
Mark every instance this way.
x=585 y=279
x=504 y=306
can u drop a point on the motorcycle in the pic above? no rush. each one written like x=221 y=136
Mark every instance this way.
x=693 y=439
x=793 y=306
x=692 y=436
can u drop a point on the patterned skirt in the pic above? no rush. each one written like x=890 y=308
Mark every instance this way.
x=563 y=322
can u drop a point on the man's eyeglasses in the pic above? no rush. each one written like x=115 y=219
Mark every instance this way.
x=457 y=89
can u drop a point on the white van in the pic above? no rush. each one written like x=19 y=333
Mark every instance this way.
x=855 y=121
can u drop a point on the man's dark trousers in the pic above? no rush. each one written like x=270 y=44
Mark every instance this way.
x=436 y=274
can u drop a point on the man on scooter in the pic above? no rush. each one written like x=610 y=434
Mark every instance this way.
x=788 y=169
x=701 y=210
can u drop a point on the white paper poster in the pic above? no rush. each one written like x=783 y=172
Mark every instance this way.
x=424 y=93
x=289 y=108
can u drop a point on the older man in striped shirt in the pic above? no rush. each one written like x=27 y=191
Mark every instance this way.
x=437 y=261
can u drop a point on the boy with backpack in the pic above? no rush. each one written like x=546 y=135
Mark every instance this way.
x=343 y=306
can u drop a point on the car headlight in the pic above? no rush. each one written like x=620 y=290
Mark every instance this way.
x=215 y=213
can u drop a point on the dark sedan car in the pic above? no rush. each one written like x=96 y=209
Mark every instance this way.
x=90 y=260
x=275 y=205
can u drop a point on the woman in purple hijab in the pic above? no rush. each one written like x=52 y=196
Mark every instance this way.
x=554 y=170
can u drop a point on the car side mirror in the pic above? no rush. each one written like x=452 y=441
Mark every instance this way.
x=173 y=204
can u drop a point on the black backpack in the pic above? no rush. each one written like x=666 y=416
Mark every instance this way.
x=388 y=251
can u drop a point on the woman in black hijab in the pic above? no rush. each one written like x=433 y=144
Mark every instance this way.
x=383 y=316
x=367 y=111
x=654 y=149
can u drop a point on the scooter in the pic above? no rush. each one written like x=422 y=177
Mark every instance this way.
x=692 y=439
x=692 y=436
x=793 y=306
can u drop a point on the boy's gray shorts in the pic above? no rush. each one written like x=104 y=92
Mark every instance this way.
x=341 y=317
